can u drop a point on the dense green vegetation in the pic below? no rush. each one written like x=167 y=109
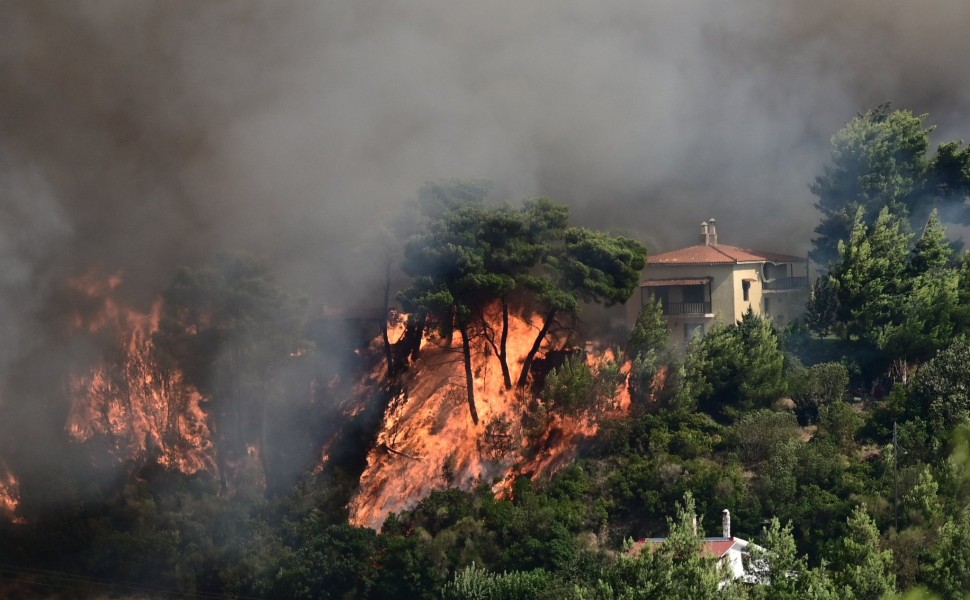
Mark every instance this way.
x=841 y=444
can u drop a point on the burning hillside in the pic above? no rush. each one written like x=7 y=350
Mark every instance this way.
x=428 y=440
x=127 y=400
x=132 y=403
x=9 y=492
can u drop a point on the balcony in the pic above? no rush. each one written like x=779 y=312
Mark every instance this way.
x=676 y=309
x=786 y=283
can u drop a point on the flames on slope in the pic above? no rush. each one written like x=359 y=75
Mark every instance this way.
x=428 y=440
x=125 y=399
x=9 y=493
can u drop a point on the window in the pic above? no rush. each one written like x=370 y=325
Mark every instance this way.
x=745 y=288
x=693 y=293
x=767 y=306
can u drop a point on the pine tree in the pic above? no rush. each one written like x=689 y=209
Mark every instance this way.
x=650 y=331
x=782 y=574
x=588 y=266
x=869 y=279
x=932 y=251
x=948 y=571
x=740 y=366
x=866 y=571
x=878 y=161
x=692 y=575
x=762 y=378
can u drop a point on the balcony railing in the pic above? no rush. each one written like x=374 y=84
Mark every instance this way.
x=787 y=283
x=687 y=308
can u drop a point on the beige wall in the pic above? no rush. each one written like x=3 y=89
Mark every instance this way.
x=723 y=284
x=783 y=307
x=727 y=297
x=739 y=304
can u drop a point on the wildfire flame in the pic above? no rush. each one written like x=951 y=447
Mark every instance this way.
x=9 y=493
x=137 y=407
x=428 y=440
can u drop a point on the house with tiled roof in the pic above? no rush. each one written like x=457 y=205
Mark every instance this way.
x=711 y=282
x=733 y=554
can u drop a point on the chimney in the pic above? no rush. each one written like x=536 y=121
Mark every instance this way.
x=704 y=234
x=711 y=232
x=726 y=523
x=694 y=524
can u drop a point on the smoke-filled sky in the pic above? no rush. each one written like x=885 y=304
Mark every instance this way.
x=140 y=135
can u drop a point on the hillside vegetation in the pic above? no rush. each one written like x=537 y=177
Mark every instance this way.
x=841 y=444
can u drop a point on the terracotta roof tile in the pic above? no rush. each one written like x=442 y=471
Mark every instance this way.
x=682 y=281
x=716 y=547
x=719 y=254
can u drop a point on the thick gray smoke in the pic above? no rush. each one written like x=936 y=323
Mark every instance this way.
x=138 y=136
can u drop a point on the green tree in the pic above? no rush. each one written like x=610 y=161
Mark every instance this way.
x=949 y=178
x=515 y=241
x=570 y=388
x=763 y=379
x=472 y=258
x=676 y=568
x=740 y=366
x=948 y=570
x=451 y=281
x=782 y=574
x=475 y=583
x=510 y=249
x=933 y=250
x=588 y=266
x=961 y=316
x=434 y=202
x=922 y=500
x=878 y=162
x=839 y=424
x=335 y=562
x=650 y=332
x=866 y=571
x=928 y=319
x=940 y=392
x=759 y=433
x=692 y=574
x=928 y=316
x=879 y=294
x=821 y=310
x=869 y=277
x=232 y=331
x=821 y=385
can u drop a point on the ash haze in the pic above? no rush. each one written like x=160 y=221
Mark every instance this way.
x=138 y=136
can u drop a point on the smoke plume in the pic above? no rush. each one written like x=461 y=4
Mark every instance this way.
x=139 y=136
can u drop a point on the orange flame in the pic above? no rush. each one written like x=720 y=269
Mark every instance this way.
x=138 y=407
x=428 y=440
x=9 y=494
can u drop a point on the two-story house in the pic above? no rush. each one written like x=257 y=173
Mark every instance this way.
x=711 y=282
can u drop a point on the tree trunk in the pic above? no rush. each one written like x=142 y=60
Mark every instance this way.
x=503 y=354
x=527 y=365
x=263 y=445
x=500 y=348
x=388 y=352
x=407 y=348
x=469 y=378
